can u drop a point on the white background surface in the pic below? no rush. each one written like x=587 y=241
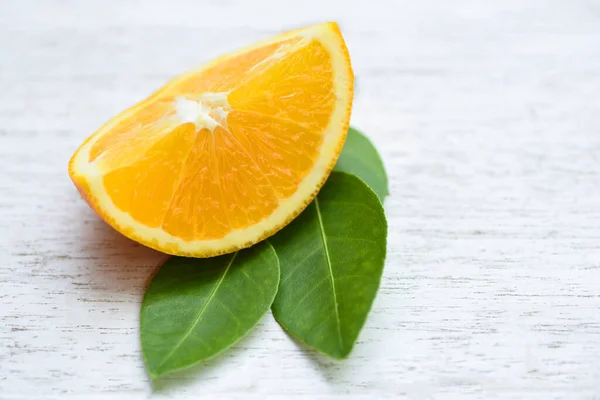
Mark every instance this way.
x=487 y=114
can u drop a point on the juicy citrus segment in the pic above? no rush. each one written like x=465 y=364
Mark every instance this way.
x=140 y=128
x=277 y=92
x=221 y=190
x=146 y=186
x=283 y=151
x=224 y=155
x=227 y=74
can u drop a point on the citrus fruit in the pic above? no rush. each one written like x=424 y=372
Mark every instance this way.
x=227 y=154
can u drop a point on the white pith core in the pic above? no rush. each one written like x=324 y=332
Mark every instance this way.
x=208 y=111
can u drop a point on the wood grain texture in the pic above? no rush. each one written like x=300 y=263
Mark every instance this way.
x=488 y=118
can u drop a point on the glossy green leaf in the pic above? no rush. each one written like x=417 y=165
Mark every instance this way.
x=196 y=308
x=331 y=259
x=359 y=157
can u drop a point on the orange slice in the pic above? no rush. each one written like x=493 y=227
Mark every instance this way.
x=227 y=154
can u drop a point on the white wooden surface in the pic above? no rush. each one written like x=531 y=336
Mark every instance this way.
x=488 y=116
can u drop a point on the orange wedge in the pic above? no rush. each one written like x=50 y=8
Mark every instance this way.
x=227 y=154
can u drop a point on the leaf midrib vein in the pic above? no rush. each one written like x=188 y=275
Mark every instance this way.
x=326 y=248
x=200 y=314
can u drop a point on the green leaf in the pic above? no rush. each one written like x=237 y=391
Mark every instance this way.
x=331 y=259
x=359 y=157
x=196 y=308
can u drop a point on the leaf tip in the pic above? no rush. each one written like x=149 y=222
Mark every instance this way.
x=153 y=373
x=341 y=353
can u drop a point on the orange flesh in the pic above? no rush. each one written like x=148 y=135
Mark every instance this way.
x=200 y=184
